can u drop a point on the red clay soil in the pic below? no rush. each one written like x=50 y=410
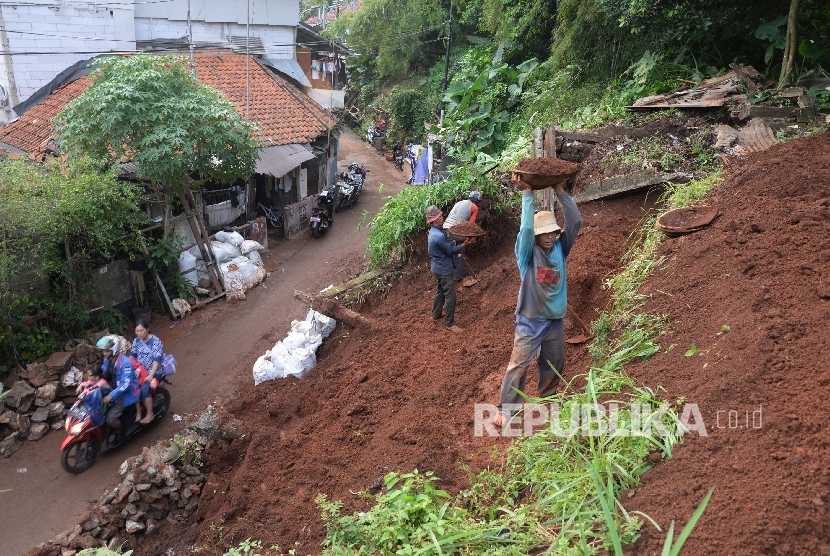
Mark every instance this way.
x=548 y=166
x=403 y=397
x=400 y=399
x=763 y=270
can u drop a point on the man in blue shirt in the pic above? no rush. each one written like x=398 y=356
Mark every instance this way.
x=442 y=251
x=541 y=249
x=126 y=391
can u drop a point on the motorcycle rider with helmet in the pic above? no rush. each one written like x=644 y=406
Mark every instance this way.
x=117 y=366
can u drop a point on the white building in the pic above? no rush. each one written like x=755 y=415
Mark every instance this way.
x=41 y=38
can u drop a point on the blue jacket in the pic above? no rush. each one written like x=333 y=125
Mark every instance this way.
x=126 y=382
x=441 y=251
x=543 y=293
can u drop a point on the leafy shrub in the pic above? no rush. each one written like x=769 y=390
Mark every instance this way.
x=391 y=230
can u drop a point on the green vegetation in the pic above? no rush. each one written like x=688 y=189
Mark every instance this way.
x=391 y=229
x=176 y=130
x=58 y=222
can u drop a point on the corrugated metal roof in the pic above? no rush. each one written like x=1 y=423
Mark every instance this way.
x=278 y=161
x=290 y=68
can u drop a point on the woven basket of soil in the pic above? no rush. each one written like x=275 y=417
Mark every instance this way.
x=540 y=173
x=467 y=229
x=683 y=221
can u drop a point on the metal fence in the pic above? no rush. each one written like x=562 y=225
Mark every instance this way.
x=224 y=207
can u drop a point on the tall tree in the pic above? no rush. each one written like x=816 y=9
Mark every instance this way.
x=791 y=47
x=152 y=110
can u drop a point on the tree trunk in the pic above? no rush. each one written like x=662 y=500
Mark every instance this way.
x=791 y=48
x=333 y=308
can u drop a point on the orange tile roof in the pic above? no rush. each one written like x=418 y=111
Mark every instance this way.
x=285 y=114
x=31 y=131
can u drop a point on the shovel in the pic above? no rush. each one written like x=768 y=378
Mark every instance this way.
x=469 y=280
x=578 y=339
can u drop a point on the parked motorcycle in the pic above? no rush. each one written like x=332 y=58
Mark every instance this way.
x=86 y=439
x=350 y=186
x=377 y=129
x=397 y=155
x=321 y=214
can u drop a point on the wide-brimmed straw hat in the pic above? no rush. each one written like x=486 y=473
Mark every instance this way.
x=433 y=213
x=544 y=222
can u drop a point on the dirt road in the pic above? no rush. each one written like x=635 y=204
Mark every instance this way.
x=215 y=347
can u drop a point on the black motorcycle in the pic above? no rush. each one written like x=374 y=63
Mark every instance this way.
x=397 y=155
x=350 y=186
x=357 y=172
x=321 y=214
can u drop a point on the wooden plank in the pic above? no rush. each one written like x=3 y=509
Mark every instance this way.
x=626 y=184
x=355 y=282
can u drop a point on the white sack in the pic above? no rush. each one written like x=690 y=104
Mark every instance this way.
x=221 y=250
x=322 y=324
x=234 y=283
x=289 y=364
x=250 y=245
x=255 y=258
x=264 y=369
x=306 y=358
x=294 y=340
x=187 y=267
x=250 y=273
x=234 y=238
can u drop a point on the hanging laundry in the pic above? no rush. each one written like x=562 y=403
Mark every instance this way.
x=315 y=74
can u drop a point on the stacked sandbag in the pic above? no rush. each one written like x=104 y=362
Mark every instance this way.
x=296 y=354
x=243 y=273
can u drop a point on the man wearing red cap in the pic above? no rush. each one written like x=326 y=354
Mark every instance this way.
x=541 y=249
x=441 y=251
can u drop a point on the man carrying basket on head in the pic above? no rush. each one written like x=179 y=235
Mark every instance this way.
x=463 y=211
x=541 y=249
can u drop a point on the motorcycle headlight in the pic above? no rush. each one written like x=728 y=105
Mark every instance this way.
x=76 y=428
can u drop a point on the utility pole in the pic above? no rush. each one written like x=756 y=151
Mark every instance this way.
x=190 y=38
x=447 y=60
x=248 y=64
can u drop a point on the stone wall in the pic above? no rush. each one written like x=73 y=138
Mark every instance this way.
x=39 y=395
x=164 y=482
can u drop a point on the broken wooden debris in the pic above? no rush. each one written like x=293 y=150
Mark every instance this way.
x=754 y=137
x=628 y=183
x=355 y=282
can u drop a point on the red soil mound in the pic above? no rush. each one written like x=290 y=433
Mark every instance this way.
x=763 y=270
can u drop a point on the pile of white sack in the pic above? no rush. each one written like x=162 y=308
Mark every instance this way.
x=296 y=354
x=238 y=259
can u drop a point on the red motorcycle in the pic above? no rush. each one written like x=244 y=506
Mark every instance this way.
x=86 y=439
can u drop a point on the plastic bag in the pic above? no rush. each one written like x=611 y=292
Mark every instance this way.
x=234 y=238
x=221 y=250
x=250 y=245
x=264 y=369
x=255 y=258
x=168 y=365
x=187 y=267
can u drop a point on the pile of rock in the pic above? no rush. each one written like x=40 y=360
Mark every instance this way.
x=40 y=394
x=162 y=483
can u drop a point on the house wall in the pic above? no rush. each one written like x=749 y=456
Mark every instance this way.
x=45 y=37
x=58 y=34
